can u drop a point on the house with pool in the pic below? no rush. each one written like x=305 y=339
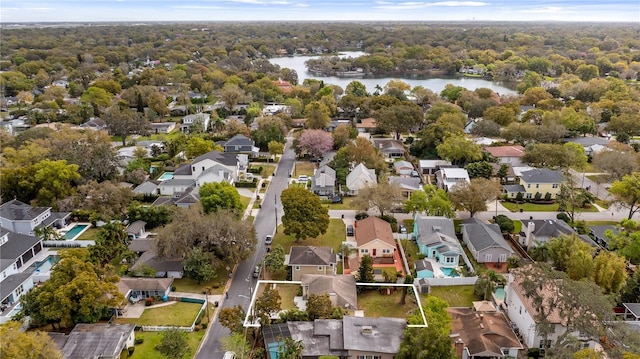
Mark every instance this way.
x=436 y=240
x=22 y=218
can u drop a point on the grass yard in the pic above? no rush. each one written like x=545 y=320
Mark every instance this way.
x=602 y=223
x=534 y=207
x=287 y=293
x=179 y=314
x=191 y=286
x=245 y=201
x=599 y=178
x=147 y=350
x=263 y=189
x=517 y=226
x=347 y=204
x=411 y=251
x=336 y=234
x=267 y=170
x=89 y=235
x=456 y=296
x=304 y=168
x=376 y=305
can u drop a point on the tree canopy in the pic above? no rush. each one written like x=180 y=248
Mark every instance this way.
x=304 y=216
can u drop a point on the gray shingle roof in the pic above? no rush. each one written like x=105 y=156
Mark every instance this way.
x=598 y=231
x=484 y=235
x=17 y=244
x=12 y=282
x=239 y=140
x=431 y=229
x=424 y=264
x=312 y=256
x=342 y=286
x=542 y=175
x=93 y=341
x=385 y=335
x=548 y=227
x=18 y=211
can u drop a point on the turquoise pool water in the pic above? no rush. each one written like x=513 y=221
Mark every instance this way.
x=449 y=272
x=75 y=231
x=165 y=176
x=46 y=264
x=499 y=293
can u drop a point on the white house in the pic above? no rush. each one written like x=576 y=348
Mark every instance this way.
x=359 y=178
x=22 y=218
x=446 y=178
x=202 y=119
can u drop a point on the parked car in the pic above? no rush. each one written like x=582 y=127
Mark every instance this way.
x=268 y=240
x=303 y=178
x=336 y=199
x=229 y=355
x=350 y=231
x=402 y=229
x=256 y=272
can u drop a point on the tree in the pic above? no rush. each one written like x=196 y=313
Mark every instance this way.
x=417 y=203
x=154 y=216
x=275 y=148
x=304 y=216
x=54 y=180
x=438 y=203
x=473 y=197
x=609 y=272
x=486 y=284
x=343 y=134
x=271 y=128
x=616 y=164
x=174 y=344
x=216 y=196
x=365 y=271
x=232 y=319
x=197 y=266
x=267 y=304
x=571 y=255
x=197 y=146
x=97 y=97
x=383 y=197
x=315 y=142
x=290 y=349
x=358 y=151
x=502 y=115
x=319 y=306
x=317 y=114
x=237 y=343
x=123 y=122
x=32 y=344
x=274 y=260
x=626 y=193
x=408 y=279
x=503 y=172
x=486 y=128
x=459 y=150
x=107 y=199
x=399 y=118
x=556 y=155
x=232 y=95
x=357 y=89
x=631 y=290
x=479 y=170
x=77 y=292
x=431 y=342
x=111 y=243
x=587 y=72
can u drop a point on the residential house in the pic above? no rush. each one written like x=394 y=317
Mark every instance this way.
x=147 y=188
x=436 y=238
x=285 y=86
x=446 y=178
x=310 y=260
x=424 y=269
x=273 y=109
x=403 y=168
x=184 y=199
x=15 y=278
x=360 y=177
x=375 y=239
x=174 y=186
x=241 y=144
x=163 y=267
x=95 y=123
x=366 y=125
x=407 y=185
x=540 y=231
x=136 y=230
x=212 y=166
x=482 y=334
x=429 y=167
x=335 y=123
x=539 y=180
x=598 y=233
x=507 y=154
x=95 y=341
x=134 y=289
x=22 y=218
x=323 y=182
x=341 y=289
x=162 y=127
x=592 y=145
x=351 y=337
x=198 y=119
x=485 y=241
x=390 y=148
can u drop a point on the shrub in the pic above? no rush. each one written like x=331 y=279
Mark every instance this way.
x=204 y=325
x=564 y=217
x=173 y=288
x=361 y=215
x=505 y=223
x=537 y=196
x=139 y=340
x=547 y=196
x=392 y=221
x=519 y=196
x=148 y=302
x=131 y=350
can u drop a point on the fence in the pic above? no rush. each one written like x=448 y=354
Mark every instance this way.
x=439 y=282
x=68 y=244
x=160 y=328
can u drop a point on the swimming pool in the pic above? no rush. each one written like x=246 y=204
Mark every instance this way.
x=499 y=293
x=449 y=272
x=75 y=231
x=46 y=264
x=165 y=176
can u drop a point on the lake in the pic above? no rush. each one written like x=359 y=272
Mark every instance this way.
x=434 y=83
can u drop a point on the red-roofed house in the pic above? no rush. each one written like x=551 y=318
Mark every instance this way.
x=285 y=86
x=374 y=237
x=366 y=125
x=507 y=154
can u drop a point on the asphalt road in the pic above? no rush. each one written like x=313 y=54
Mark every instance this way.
x=242 y=282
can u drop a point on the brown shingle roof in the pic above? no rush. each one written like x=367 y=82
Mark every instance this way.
x=126 y=284
x=372 y=228
x=484 y=334
x=369 y=122
x=547 y=292
x=505 y=151
x=312 y=256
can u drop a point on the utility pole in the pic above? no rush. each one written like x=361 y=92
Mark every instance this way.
x=275 y=210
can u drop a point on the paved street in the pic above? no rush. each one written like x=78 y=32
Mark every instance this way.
x=243 y=283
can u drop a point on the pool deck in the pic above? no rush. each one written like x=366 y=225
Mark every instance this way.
x=64 y=230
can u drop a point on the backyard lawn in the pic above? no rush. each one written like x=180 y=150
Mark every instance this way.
x=304 y=168
x=533 y=207
x=245 y=201
x=188 y=285
x=179 y=314
x=456 y=296
x=147 y=350
x=287 y=293
x=336 y=234
x=89 y=235
x=377 y=305
x=347 y=204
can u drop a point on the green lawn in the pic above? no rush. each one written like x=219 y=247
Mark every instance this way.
x=89 y=235
x=517 y=226
x=267 y=170
x=533 y=207
x=147 y=350
x=179 y=314
x=602 y=223
x=304 y=168
x=287 y=293
x=336 y=234
x=263 y=189
x=347 y=204
x=411 y=251
x=216 y=285
x=599 y=178
x=456 y=295
x=245 y=201
x=377 y=305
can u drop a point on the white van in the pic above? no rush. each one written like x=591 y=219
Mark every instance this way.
x=229 y=355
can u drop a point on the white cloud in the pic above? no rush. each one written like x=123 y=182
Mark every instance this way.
x=545 y=10
x=420 y=5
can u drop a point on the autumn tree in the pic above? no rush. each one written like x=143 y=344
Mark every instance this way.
x=382 y=197
x=355 y=152
x=216 y=196
x=315 y=142
x=432 y=341
x=232 y=318
x=124 y=122
x=304 y=216
x=267 y=304
x=626 y=193
x=473 y=196
x=609 y=272
x=32 y=344
x=399 y=118
x=317 y=114
x=343 y=134
x=232 y=95
x=107 y=199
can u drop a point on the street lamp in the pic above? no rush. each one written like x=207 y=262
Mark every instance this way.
x=275 y=210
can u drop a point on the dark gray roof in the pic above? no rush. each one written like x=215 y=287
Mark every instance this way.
x=424 y=264
x=18 y=211
x=54 y=217
x=93 y=341
x=177 y=182
x=384 y=336
x=585 y=238
x=136 y=227
x=589 y=141
x=159 y=264
x=6 y=263
x=342 y=286
x=142 y=245
x=147 y=187
x=12 y=282
x=548 y=227
x=311 y=256
x=542 y=175
x=431 y=229
x=634 y=308
x=239 y=140
x=513 y=188
x=183 y=169
x=406 y=182
x=484 y=235
x=144 y=284
x=598 y=231
x=229 y=159
x=322 y=337
x=17 y=244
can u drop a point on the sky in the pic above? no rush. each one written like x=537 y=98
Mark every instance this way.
x=318 y=10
